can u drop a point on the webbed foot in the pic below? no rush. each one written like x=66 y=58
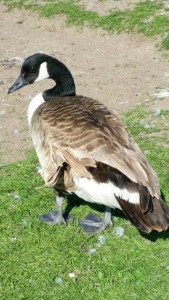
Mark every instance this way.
x=53 y=218
x=56 y=217
x=92 y=223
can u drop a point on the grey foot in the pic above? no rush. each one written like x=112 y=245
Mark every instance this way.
x=92 y=223
x=53 y=218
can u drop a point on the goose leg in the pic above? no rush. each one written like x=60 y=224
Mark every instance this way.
x=55 y=217
x=94 y=224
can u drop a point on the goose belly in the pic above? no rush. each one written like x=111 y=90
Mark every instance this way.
x=103 y=193
x=94 y=192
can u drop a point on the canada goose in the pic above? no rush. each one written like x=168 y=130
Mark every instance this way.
x=83 y=148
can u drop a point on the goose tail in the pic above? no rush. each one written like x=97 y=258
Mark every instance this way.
x=156 y=217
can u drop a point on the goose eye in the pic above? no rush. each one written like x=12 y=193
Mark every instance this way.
x=32 y=69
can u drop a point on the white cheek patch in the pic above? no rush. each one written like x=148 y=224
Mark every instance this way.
x=43 y=72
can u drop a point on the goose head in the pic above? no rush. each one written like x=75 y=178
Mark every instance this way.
x=41 y=66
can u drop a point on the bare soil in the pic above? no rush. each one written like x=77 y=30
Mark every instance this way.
x=121 y=70
x=102 y=7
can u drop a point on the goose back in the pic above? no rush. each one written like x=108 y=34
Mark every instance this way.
x=82 y=132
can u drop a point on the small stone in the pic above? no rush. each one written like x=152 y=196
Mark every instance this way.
x=74 y=274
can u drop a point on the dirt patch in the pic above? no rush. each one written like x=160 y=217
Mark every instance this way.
x=102 y=7
x=119 y=70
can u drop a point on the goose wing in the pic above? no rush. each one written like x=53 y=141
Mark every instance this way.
x=81 y=131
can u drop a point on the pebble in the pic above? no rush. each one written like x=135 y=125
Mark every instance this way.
x=72 y=275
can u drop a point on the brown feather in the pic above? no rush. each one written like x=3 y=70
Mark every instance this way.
x=87 y=126
x=155 y=219
x=78 y=135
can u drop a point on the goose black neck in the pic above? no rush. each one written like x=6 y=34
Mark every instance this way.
x=63 y=78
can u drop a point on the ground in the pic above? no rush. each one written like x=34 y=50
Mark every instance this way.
x=104 y=6
x=121 y=70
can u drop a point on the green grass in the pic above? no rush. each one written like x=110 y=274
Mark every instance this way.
x=33 y=255
x=154 y=139
x=165 y=42
x=143 y=18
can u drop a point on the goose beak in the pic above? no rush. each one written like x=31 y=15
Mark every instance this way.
x=19 y=83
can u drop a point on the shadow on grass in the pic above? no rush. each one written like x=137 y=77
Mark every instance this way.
x=154 y=236
x=74 y=201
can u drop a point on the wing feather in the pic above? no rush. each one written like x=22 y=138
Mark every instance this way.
x=81 y=132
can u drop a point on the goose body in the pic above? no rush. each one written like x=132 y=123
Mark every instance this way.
x=83 y=148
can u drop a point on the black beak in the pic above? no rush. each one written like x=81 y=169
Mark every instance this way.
x=19 y=83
